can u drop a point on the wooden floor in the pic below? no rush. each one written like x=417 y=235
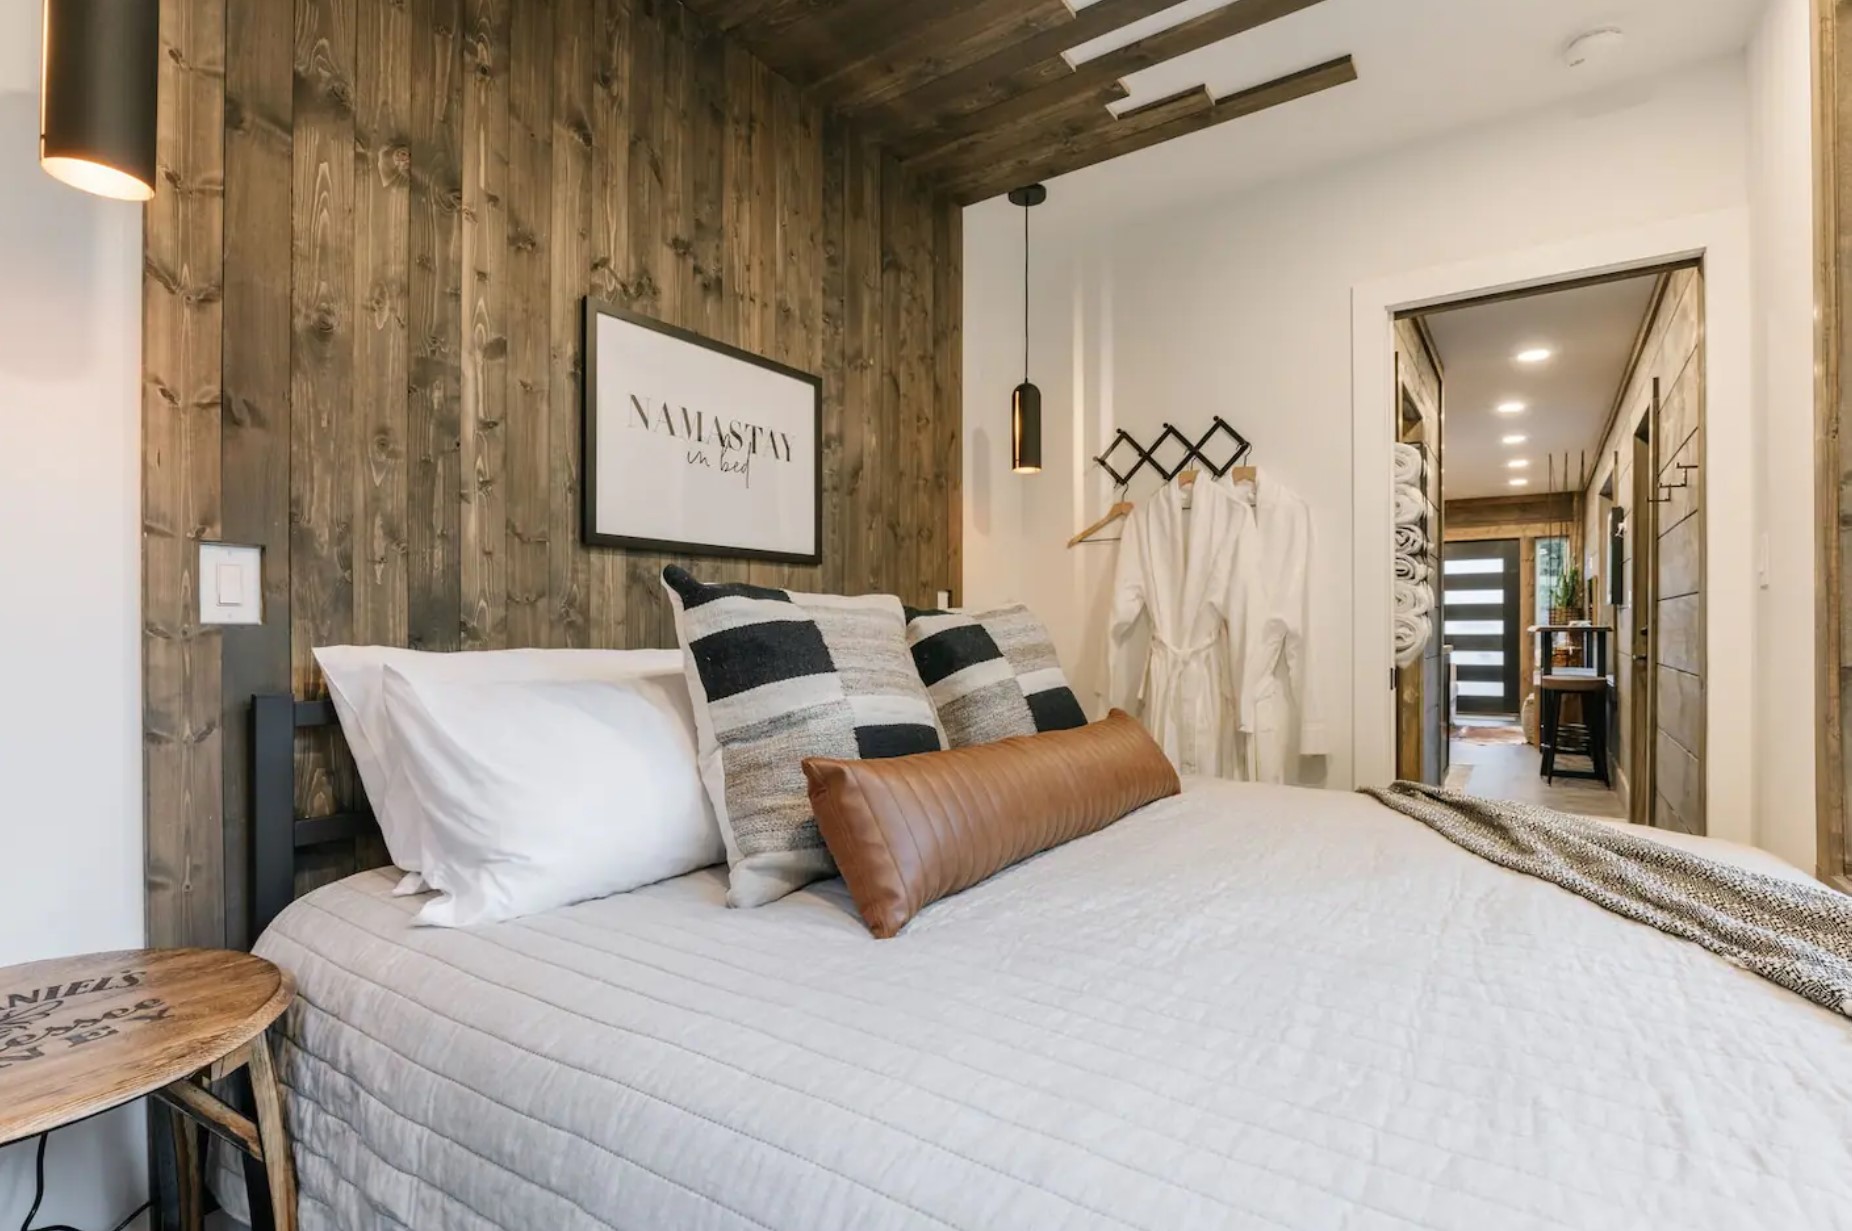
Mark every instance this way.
x=1510 y=771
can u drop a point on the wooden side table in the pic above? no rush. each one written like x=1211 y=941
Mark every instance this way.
x=82 y=1035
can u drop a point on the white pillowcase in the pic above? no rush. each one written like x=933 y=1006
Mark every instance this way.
x=540 y=793
x=356 y=684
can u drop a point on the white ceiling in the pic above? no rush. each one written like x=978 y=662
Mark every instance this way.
x=1592 y=331
x=1427 y=67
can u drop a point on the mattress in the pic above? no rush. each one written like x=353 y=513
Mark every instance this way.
x=1247 y=1006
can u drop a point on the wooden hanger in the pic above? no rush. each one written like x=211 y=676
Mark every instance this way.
x=1119 y=511
x=1244 y=474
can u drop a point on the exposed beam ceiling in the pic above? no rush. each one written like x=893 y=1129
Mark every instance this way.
x=979 y=95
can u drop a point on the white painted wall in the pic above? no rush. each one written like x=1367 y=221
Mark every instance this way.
x=1781 y=187
x=70 y=597
x=1243 y=306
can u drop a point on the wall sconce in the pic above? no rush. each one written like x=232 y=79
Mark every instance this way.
x=98 y=89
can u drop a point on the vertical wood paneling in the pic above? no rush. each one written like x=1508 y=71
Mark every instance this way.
x=406 y=202
x=484 y=387
x=612 y=126
x=382 y=285
x=322 y=426
x=322 y=431
x=652 y=286
x=255 y=428
x=863 y=364
x=182 y=346
x=433 y=580
x=948 y=343
x=529 y=432
x=575 y=33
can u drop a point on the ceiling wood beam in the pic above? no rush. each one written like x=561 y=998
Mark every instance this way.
x=1206 y=30
x=1069 y=119
x=880 y=59
x=989 y=81
x=1141 y=129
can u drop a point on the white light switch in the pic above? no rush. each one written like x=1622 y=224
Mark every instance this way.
x=231 y=580
x=231 y=586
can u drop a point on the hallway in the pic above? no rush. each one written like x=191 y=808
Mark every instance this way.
x=1492 y=768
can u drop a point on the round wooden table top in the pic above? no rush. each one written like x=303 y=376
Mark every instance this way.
x=80 y=1035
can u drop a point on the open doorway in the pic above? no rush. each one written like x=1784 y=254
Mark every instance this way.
x=1565 y=664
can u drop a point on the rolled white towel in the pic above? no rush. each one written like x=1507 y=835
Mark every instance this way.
x=1413 y=598
x=1408 y=465
x=1411 y=569
x=1411 y=541
x=1411 y=507
x=1411 y=637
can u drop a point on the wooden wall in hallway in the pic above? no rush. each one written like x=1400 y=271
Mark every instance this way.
x=364 y=273
x=1671 y=354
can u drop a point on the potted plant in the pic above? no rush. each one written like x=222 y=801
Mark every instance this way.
x=1566 y=608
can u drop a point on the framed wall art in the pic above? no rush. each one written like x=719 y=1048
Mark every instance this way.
x=698 y=448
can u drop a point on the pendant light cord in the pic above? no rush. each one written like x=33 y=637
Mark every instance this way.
x=1025 y=294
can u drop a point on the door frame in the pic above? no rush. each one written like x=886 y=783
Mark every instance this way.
x=1832 y=21
x=1722 y=241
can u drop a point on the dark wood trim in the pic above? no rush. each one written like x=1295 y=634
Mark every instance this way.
x=1832 y=411
x=1155 y=124
x=595 y=308
x=277 y=832
x=991 y=80
x=1199 y=32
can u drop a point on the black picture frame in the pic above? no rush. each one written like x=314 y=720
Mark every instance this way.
x=589 y=533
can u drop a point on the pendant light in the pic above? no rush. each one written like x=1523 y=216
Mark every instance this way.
x=98 y=88
x=1026 y=402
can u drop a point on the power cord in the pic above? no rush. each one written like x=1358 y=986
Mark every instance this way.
x=38 y=1198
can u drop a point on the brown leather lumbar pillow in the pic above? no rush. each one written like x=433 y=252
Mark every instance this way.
x=910 y=830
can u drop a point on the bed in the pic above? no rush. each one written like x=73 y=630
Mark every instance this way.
x=1246 y=1006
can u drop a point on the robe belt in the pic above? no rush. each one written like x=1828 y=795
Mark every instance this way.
x=1180 y=658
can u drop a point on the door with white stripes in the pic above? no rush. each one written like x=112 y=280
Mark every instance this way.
x=1482 y=624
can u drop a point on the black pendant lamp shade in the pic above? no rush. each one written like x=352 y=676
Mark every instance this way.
x=1026 y=402
x=98 y=89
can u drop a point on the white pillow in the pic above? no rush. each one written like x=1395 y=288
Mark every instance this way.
x=540 y=793
x=356 y=679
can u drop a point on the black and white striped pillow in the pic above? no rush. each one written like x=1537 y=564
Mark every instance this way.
x=779 y=676
x=991 y=674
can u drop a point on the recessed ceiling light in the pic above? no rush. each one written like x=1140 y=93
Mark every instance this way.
x=1520 y=482
x=1516 y=438
x=1513 y=408
x=1518 y=463
x=1536 y=354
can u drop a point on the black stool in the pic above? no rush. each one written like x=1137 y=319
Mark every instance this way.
x=1589 y=738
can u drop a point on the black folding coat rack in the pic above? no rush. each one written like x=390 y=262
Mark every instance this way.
x=1195 y=452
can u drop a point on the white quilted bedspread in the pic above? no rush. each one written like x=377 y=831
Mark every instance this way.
x=1245 y=1007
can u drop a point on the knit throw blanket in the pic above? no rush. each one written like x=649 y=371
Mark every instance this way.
x=1799 y=936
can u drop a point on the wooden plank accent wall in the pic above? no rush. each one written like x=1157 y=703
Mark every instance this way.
x=376 y=225
x=1671 y=355
x=1832 y=80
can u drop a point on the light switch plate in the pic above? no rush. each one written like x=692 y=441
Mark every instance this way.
x=231 y=584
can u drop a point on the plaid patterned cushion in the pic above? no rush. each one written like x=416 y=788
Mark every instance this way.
x=777 y=677
x=991 y=674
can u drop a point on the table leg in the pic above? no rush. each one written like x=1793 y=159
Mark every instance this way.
x=278 y=1166
x=189 y=1163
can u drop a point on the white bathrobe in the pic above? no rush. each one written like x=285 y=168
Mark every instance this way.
x=1280 y=720
x=1177 y=598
